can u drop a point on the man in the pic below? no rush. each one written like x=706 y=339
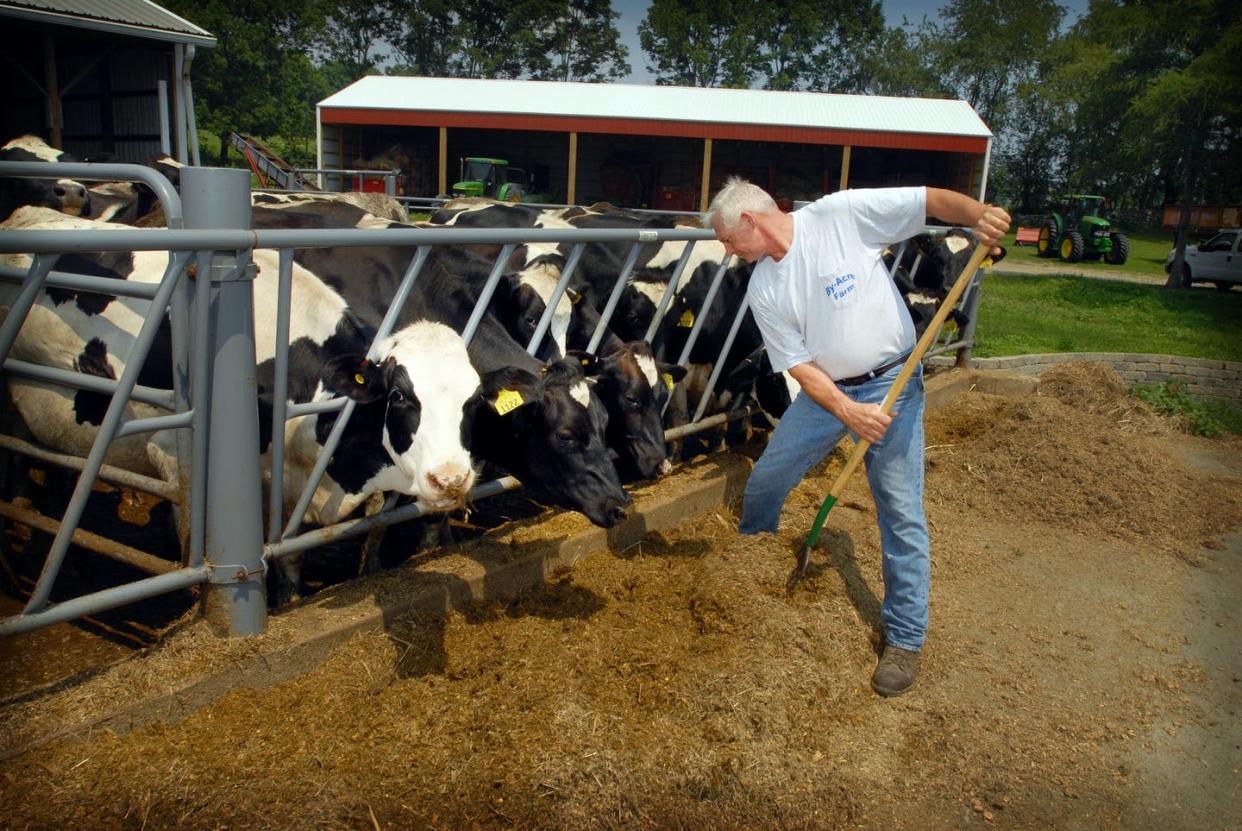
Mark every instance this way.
x=832 y=318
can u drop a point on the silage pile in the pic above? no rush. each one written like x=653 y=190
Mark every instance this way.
x=1081 y=453
x=676 y=684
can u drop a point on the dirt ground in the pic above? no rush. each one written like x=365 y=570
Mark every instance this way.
x=1082 y=670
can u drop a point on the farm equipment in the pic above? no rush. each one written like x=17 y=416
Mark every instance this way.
x=271 y=170
x=493 y=178
x=1079 y=231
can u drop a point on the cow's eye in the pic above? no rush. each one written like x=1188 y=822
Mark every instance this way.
x=565 y=437
x=631 y=400
x=396 y=397
x=532 y=320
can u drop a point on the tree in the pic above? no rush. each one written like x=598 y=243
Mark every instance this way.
x=352 y=38
x=816 y=45
x=988 y=47
x=424 y=34
x=571 y=40
x=700 y=43
x=900 y=64
x=485 y=35
x=258 y=79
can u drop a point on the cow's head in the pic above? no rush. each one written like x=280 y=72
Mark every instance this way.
x=407 y=433
x=634 y=387
x=548 y=430
x=65 y=195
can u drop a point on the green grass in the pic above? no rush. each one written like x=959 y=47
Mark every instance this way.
x=1022 y=314
x=1200 y=416
x=1147 y=253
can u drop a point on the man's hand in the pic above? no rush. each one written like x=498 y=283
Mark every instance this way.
x=867 y=421
x=992 y=226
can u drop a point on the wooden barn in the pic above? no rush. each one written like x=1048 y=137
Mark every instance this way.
x=100 y=77
x=653 y=146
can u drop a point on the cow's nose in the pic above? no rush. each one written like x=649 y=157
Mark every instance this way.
x=617 y=515
x=448 y=482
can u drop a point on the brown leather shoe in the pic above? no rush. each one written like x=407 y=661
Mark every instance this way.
x=897 y=671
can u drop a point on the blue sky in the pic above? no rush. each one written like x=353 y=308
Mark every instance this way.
x=633 y=11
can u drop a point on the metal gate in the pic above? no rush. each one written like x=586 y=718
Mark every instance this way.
x=213 y=407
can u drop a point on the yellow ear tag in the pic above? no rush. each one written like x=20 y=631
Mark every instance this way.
x=686 y=321
x=668 y=379
x=507 y=401
x=987 y=263
x=360 y=378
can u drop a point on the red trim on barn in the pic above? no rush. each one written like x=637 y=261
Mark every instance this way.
x=651 y=127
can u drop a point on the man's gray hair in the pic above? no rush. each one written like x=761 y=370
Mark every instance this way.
x=736 y=196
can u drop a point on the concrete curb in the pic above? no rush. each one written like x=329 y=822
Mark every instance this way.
x=502 y=563
x=1204 y=377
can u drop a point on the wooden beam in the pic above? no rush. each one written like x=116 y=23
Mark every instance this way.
x=845 y=168
x=443 y=182
x=56 y=118
x=571 y=189
x=705 y=188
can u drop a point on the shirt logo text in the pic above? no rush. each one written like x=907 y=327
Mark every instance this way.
x=841 y=286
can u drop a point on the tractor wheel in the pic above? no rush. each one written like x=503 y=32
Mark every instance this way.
x=1072 y=247
x=1121 y=249
x=1047 y=245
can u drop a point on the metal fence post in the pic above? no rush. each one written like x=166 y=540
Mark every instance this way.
x=966 y=355
x=236 y=599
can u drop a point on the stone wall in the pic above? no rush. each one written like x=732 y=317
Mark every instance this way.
x=1198 y=376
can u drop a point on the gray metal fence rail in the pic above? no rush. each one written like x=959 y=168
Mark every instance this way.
x=213 y=330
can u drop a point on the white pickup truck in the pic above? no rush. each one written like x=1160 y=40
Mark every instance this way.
x=1219 y=260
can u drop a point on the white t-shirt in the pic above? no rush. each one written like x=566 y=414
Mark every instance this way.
x=829 y=300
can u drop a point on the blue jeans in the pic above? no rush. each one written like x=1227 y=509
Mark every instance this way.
x=805 y=435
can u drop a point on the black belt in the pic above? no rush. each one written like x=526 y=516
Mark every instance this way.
x=875 y=373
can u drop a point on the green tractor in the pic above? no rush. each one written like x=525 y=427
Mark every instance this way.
x=493 y=178
x=1079 y=231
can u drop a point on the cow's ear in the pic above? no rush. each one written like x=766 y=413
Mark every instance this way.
x=507 y=390
x=591 y=365
x=354 y=376
x=670 y=373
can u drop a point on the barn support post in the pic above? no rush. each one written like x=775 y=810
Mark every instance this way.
x=178 y=150
x=161 y=95
x=443 y=191
x=704 y=190
x=235 y=598
x=845 y=167
x=571 y=189
x=983 y=180
x=191 y=123
x=55 y=114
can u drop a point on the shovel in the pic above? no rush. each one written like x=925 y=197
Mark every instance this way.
x=929 y=336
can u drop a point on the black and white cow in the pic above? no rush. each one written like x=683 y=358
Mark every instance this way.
x=65 y=195
x=929 y=267
x=129 y=202
x=632 y=392
x=375 y=204
x=406 y=435
x=554 y=442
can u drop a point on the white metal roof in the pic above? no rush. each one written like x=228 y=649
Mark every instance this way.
x=140 y=18
x=663 y=103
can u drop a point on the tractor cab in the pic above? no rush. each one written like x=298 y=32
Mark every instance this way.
x=1080 y=206
x=493 y=178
